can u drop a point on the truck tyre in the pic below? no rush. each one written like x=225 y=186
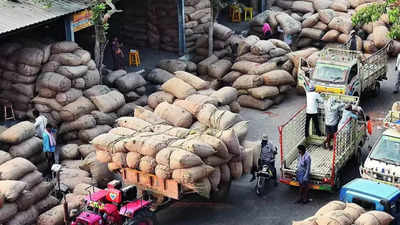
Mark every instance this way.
x=142 y=217
x=222 y=193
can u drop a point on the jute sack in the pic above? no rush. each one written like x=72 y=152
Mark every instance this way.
x=147 y=164
x=25 y=89
x=11 y=189
x=24 y=217
x=72 y=177
x=114 y=75
x=109 y=102
x=277 y=77
x=15 y=169
x=30 y=56
x=85 y=56
x=69 y=96
x=192 y=80
x=215 y=161
x=83 y=122
x=49 y=102
x=148 y=146
x=46 y=204
x=244 y=66
x=76 y=109
x=374 y=218
x=163 y=156
x=172 y=65
x=263 y=68
x=91 y=78
x=241 y=129
x=225 y=95
x=326 y=15
x=148 y=116
x=312 y=33
x=27 y=148
x=133 y=160
x=195 y=146
x=250 y=57
x=104 y=118
x=215 y=178
x=175 y=115
x=379 y=36
x=103 y=156
x=85 y=150
x=96 y=90
x=255 y=148
x=88 y=134
x=336 y=217
x=288 y=24
x=54 y=81
x=251 y=102
x=202 y=67
x=7 y=212
x=178 y=88
x=222 y=32
x=160 y=96
x=109 y=142
x=17 y=78
x=219 y=68
x=178 y=132
x=68 y=151
x=73 y=164
x=331 y=36
x=342 y=24
x=54 y=216
x=230 y=77
x=128 y=109
x=262 y=47
x=18 y=133
x=369 y=46
x=247 y=160
x=32 y=179
x=189 y=106
x=201 y=187
x=223 y=119
x=304 y=53
x=192 y=175
x=231 y=141
x=4 y=157
x=98 y=170
x=122 y=131
x=119 y=159
x=217 y=144
x=264 y=92
x=248 y=81
x=64 y=47
x=159 y=76
x=236 y=169
x=201 y=99
x=303 y=6
x=310 y=21
x=25 y=200
x=72 y=72
x=331 y=206
x=246 y=43
x=130 y=82
x=163 y=171
x=225 y=173
x=353 y=210
x=340 y=6
x=180 y=159
x=83 y=189
x=234 y=107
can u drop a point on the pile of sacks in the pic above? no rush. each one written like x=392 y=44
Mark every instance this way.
x=337 y=212
x=188 y=139
x=20 y=141
x=197 y=18
x=24 y=194
x=20 y=64
x=166 y=68
x=163 y=25
x=131 y=85
x=134 y=23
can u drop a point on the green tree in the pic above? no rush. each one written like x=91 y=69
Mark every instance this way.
x=374 y=11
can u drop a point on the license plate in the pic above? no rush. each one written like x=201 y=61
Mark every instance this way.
x=329 y=89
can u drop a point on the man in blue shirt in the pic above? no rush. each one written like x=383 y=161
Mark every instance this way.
x=49 y=144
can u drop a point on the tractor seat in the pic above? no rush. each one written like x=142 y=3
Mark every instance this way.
x=110 y=208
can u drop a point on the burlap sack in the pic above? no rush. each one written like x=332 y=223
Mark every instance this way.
x=331 y=36
x=246 y=43
x=148 y=116
x=76 y=109
x=64 y=47
x=310 y=21
x=177 y=132
x=304 y=53
x=122 y=131
x=263 y=68
x=113 y=76
x=219 y=68
x=119 y=160
x=262 y=47
x=72 y=177
x=195 y=146
x=217 y=144
x=128 y=109
x=264 y=92
x=133 y=159
x=163 y=156
x=25 y=200
x=49 y=102
x=215 y=178
x=96 y=90
x=201 y=187
x=248 y=81
x=379 y=36
x=84 y=55
x=159 y=76
x=236 y=169
x=230 y=77
x=8 y=211
x=104 y=118
x=30 y=56
x=69 y=96
x=193 y=80
x=18 y=133
x=134 y=123
x=163 y=171
x=130 y=82
x=147 y=164
x=369 y=46
x=244 y=66
x=202 y=67
x=32 y=179
x=72 y=72
x=91 y=78
x=251 y=102
x=160 y=96
x=172 y=65
x=24 y=217
x=54 y=216
x=178 y=88
x=277 y=77
x=191 y=175
x=353 y=210
x=374 y=218
x=222 y=32
x=331 y=206
x=54 y=81
x=25 y=89
x=68 y=151
x=15 y=169
x=231 y=141
x=342 y=24
x=109 y=142
x=340 y=6
x=312 y=33
x=11 y=189
x=83 y=122
x=175 y=115
x=89 y=134
x=326 y=15
x=225 y=95
x=46 y=204
x=180 y=159
x=27 y=148
x=149 y=145
x=109 y=102
x=288 y=24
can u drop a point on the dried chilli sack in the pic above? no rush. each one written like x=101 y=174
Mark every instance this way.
x=130 y=82
x=160 y=96
x=374 y=218
x=181 y=159
x=110 y=143
x=178 y=88
x=192 y=175
x=72 y=72
x=11 y=189
x=83 y=122
x=134 y=123
x=248 y=81
x=202 y=67
x=18 y=133
x=219 y=68
x=76 y=109
x=225 y=95
x=15 y=169
x=104 y=118
x=109 y=102
x=54 y=81
x=251 y=102
x=69 y=96
x=27 y=148
x=88 y=134
x=175 y=115
x=192 y=80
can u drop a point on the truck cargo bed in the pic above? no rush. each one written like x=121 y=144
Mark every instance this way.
x=321 y=160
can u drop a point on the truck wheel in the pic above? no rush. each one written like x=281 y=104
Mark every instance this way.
x=222 y=193
x=377 y=89
x=142 y=217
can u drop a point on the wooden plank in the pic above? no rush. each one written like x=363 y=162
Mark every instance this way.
x=167 y=187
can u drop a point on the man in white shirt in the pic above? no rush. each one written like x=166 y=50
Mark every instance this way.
x=312 y=108
x=396 y=87
x=40 y=123
x=331 y=120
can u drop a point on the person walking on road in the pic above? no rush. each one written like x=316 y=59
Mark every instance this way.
x=267 y=157
x=303 y=173
x=397 y=85
x=40 y=123
x=312 y=108
x=331 y=108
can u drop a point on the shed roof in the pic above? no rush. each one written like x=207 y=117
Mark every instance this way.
x=16 y=15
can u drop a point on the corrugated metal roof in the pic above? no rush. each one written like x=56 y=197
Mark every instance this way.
x=14 y=15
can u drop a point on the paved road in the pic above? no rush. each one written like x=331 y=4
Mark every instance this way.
x=277 y=207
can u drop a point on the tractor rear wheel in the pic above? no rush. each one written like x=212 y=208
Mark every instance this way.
x=143 y=217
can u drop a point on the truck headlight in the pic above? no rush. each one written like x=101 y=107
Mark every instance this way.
x=389 y=179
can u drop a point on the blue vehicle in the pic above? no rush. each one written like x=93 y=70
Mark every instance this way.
x=373 y=195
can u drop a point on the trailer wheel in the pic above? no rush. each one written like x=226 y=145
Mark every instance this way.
x=222 y=193
x=142 y=217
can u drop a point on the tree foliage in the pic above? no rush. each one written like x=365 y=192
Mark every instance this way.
x=374 y=11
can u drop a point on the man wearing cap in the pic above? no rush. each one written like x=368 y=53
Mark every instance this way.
x=267 y=157
x=312 y=108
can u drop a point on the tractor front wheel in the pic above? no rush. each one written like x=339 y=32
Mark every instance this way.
x=143 y=217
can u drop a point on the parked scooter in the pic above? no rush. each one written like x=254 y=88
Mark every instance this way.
x=263 y=176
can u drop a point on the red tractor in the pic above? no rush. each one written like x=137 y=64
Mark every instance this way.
x=107 y=207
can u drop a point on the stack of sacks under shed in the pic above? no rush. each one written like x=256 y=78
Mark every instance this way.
x=23 y=191
x=190 y=140
x=197 y=18
x=20 y=64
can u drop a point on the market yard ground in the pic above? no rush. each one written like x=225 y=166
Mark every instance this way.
x=277 y=206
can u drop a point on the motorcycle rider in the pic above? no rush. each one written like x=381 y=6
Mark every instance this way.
x=267 y=157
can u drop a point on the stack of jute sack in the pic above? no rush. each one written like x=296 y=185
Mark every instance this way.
x=134 y=20
x=166 y=68
x=131 y=85
x=163 y=25
x=197 y=18
x=20 y=64
x=337 y=212
x=188 y=139
x=21 y=142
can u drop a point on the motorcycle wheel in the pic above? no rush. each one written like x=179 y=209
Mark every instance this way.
x=260 y=186
x=142 y=217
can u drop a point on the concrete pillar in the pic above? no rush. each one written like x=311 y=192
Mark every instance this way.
x=69 y=31
x=181 y=27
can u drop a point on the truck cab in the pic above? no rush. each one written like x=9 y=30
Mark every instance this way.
x=373 y=195
x=383 y=161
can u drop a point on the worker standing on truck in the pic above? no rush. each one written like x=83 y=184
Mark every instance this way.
x=347 y=114
x=353 y=41
x=331 y=120
x=396 y=87
x=312 y=108
x=303 y=173
x=267 y=157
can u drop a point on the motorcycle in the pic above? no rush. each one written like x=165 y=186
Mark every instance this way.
x=263 y=176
